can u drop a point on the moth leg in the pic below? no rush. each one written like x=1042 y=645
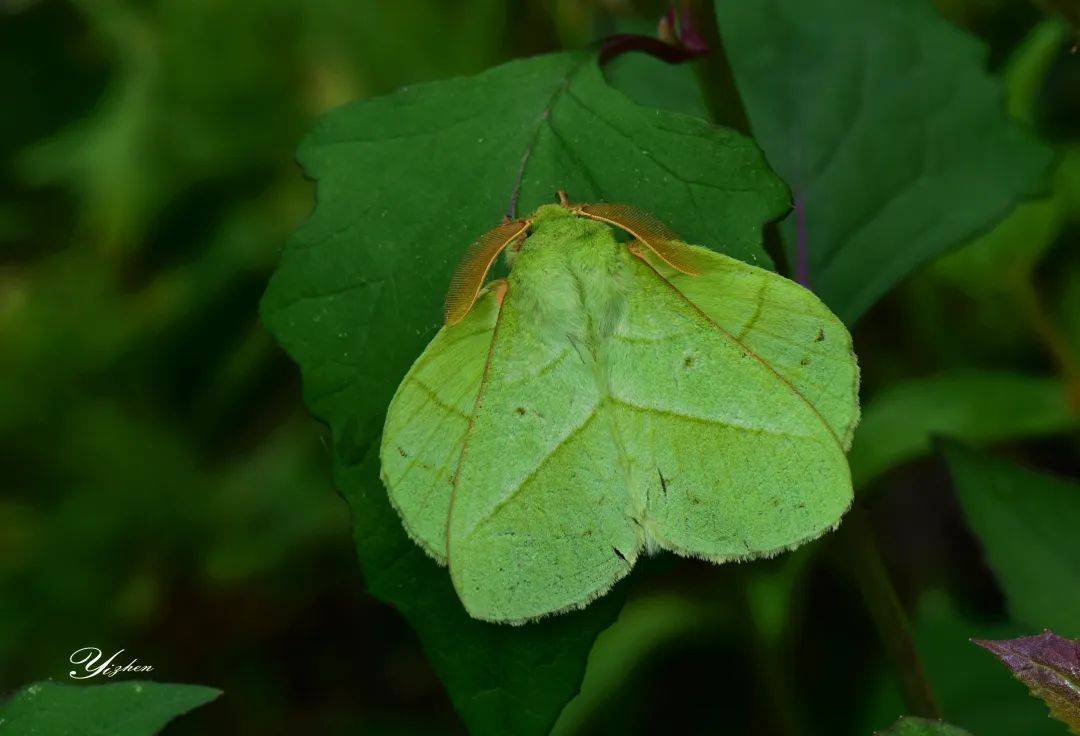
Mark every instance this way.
x=637 y=248
x=561 y=194
x=498 y=287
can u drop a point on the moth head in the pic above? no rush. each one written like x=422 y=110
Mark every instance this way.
x=646 y=230
x=472 y=270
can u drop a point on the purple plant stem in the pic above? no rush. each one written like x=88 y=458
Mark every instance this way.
x=623 y=43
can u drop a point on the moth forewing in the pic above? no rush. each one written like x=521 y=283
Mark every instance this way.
x=428 y=418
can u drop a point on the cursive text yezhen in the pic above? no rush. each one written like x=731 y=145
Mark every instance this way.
x=91 y=660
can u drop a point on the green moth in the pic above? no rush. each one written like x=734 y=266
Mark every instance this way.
x=608 y=399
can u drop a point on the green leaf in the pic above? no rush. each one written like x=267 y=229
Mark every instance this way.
x=1050 y=666
x=131 y=708
x=995 y=264
x=1027 y=523
x=644 y=626
x=651 y=82
x=894 y=140
x=910 y=726
x=405 y=182
x=979 y=407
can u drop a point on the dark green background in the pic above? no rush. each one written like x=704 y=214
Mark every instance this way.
x=166 y=492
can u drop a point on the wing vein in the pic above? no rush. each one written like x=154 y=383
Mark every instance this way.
x=748 y=351
x=435 y=399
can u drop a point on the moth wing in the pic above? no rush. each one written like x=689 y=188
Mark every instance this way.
x=427 y=420
x=729 y=459
x=540 y=520
x=784 y=324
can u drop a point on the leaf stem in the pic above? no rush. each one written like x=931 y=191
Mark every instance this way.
x=770 y=673
x=883 y=605
x=1056 y=344
x=622 y=43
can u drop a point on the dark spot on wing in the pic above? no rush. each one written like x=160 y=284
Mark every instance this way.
x=520 y=411
x=577 y=348
x=401 y=451
x=804 y=361
x=619 y=554
x=688 y=362
x=663 y=481
x=820 y=335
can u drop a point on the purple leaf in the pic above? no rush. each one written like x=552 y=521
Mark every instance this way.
x=1050 y=666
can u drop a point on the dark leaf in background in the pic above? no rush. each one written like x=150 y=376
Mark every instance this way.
x=1027 y=523
x=130 y=708
x=405 y=182
x=893 y=139
x=1067 y=9
x=996 y=261
x=999 y=281
x=1050 y=666
x=645 y=624
x=968 y=684
x=911 y=726
x=980 y=407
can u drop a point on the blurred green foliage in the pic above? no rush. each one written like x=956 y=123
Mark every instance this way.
x=967 y=681
x=1025 y=521
x=165 y=492
x=158 y=467
x=891 y=160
